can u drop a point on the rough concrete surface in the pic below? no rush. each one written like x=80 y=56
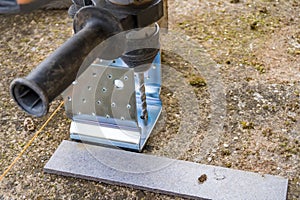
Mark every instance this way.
x=230 y=92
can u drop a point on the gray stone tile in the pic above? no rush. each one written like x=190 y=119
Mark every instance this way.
x=161 y=174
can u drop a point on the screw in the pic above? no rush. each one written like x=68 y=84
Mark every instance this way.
x=142 y=89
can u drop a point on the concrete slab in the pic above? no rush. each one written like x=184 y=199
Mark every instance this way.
x=163 y=175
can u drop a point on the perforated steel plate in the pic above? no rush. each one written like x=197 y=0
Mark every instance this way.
x=102 y=91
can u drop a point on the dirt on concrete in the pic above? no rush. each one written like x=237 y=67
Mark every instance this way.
x=231 y=96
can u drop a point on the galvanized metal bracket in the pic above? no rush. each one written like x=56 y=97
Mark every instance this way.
x=104 y=104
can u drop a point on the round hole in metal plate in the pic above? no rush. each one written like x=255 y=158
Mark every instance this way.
x=119 y=84
x=109 y=76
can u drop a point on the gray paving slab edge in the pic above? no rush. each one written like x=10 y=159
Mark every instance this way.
x=162 y=175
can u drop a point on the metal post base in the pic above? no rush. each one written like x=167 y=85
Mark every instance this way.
x=105 y=107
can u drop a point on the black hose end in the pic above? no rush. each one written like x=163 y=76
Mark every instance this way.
x=29 y=97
